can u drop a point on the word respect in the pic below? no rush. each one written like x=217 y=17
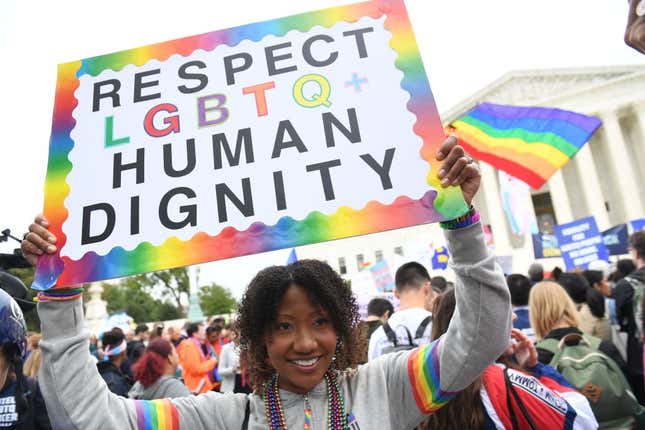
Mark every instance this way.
x=278 y=60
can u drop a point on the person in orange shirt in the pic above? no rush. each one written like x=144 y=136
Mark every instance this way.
x=214 y=338
x=197 y=360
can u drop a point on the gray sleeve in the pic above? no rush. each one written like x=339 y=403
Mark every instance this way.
x=77 y=397
x=404 y=387
x=75 y=394
x=479 y=331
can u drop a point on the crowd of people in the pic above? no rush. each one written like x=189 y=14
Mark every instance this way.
x=486 y=351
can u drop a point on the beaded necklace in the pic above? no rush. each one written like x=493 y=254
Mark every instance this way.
x=336 y=419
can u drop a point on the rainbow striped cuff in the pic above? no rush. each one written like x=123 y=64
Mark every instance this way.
x=156 y=415
x=470 y=218
x=423 y=369
x=60 y=294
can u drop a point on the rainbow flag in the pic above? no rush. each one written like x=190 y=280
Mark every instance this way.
x=530 y=143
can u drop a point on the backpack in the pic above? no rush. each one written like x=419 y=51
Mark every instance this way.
x=637 y=303
x=597 y=377
x=391 y=336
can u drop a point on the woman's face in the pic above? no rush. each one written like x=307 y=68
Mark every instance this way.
x=173 y=358
x=302 y=342
x=604 y=287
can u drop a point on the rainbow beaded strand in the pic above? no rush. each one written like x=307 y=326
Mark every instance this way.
x=336 y=418
x=275 y=415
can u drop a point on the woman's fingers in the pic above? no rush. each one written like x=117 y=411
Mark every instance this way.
x=446 y=147
x=452 y=165
x=38 y=241
x=29 y=248
x=455 y=173
x=41 y=237
x=517 y=335
x=466 y=173
x=41 y=220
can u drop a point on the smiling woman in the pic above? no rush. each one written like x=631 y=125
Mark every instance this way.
x=301 y=317
x=297 y=335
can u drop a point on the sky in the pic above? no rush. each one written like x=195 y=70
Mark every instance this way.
x=465 y=45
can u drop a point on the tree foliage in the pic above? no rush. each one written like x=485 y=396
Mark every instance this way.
x=130 y=297
x=172 y=283
x=215 y=300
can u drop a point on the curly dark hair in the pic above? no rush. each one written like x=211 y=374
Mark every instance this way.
x=259 y=306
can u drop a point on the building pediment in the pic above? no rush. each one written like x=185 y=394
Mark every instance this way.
x=530 y=87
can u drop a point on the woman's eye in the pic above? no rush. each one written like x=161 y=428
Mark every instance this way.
x=283 y=326
x=320 y=322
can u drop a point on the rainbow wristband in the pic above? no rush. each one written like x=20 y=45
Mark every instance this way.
x=470 y=218
x=60 y=295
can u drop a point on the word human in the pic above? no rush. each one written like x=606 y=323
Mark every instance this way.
x=222 y=155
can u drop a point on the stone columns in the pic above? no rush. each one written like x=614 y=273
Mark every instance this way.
x=639 y=110
x=590 y=183
x=620 y=157
x=496 y=214
x=560 y=198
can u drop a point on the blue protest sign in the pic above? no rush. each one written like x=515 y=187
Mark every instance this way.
x=440 y=258
x=638 y=224
x=580 y=243
x=615 y=239
x=545 y=245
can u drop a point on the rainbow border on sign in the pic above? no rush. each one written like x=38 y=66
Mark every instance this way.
x=316 y=227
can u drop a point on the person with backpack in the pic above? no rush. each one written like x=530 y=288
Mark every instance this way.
x=628 y=294
x=516 y=393
x=591 y=365
x=410 y=326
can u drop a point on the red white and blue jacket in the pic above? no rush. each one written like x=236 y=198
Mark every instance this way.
x=549 y=400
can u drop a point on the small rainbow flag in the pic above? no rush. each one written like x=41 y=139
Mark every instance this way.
x=529 y=143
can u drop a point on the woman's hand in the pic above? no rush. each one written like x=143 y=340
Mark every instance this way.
x=458 y=169
x=524 y=350
x=38 y=241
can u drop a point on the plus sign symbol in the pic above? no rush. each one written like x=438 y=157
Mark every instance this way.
x=356 y=82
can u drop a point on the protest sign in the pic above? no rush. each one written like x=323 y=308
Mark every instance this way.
x=505 y=262
x=638 y=224
x=382 y=276
x=516 y=201
x=440 y=258
x=271 y=135
x=615 y=239
x=580 y=243
x=545 y=245
x=364 y=299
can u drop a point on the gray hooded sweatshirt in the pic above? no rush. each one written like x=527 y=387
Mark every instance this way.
x=396 y=391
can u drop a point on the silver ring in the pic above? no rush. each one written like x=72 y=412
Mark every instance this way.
x=469 y=159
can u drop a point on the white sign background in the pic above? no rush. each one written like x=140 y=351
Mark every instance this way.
x=380 y=106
